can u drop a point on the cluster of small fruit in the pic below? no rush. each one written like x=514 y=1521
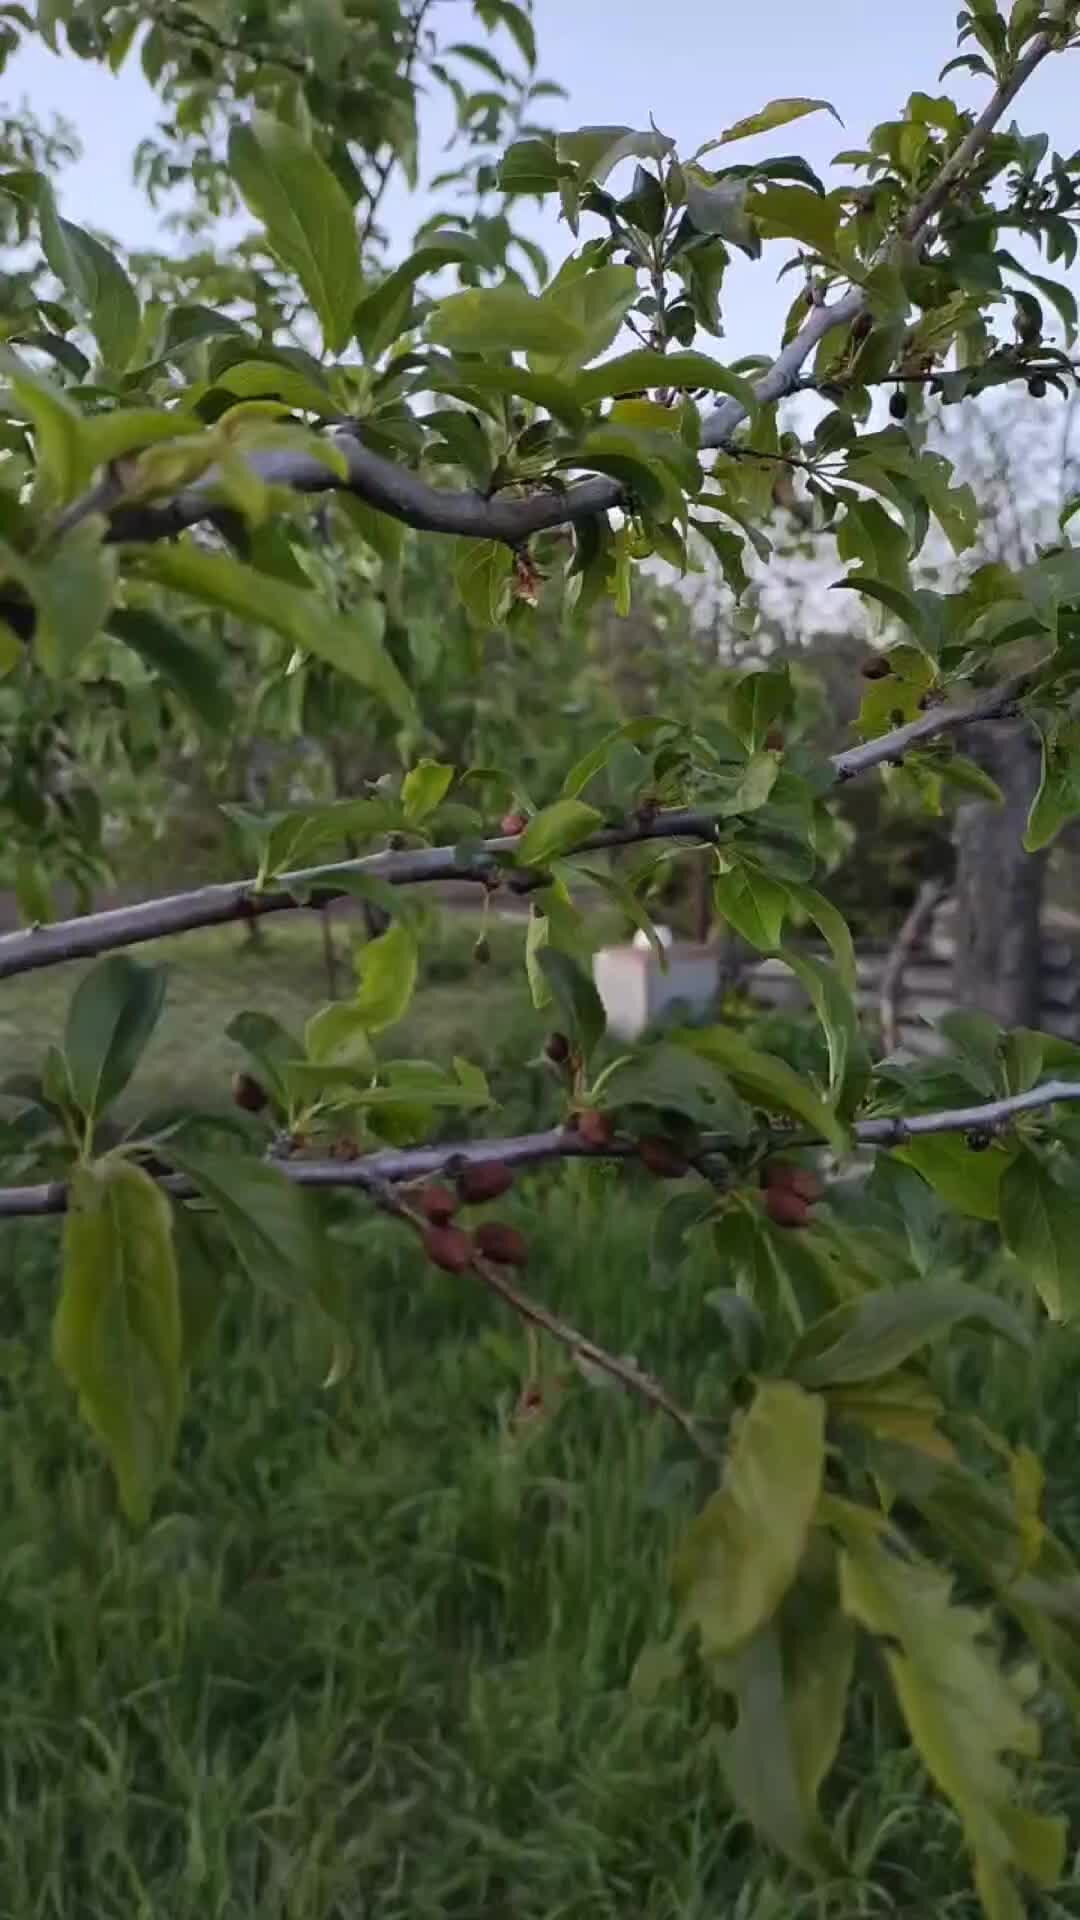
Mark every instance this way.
x=453 y=1247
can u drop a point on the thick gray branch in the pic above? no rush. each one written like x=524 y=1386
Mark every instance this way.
x=216 y=906
x=392 y=1166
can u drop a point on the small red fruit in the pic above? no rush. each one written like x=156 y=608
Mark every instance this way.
x=484 y=1180
x=501 y=1243
x=437 y=1204
x=247 y=1093
x=781 y=1175
x=513 y=823
x=661 y=1157
x=596 y=1129
x=449 y=1248
x=785 y=1208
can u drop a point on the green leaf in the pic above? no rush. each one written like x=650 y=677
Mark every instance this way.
x=338 y=1036
x=777 y=114
x=185 y=667
x=63 y=459
x=388 y=968
x=72 y=592
x=424 y=788
x=963 y=1713
x=595 y=304
x=504 y=319
x=673 y=1080
x=1058 y=798
x=796 y=213
x=597 y=757
x=383 y=315
x=273 y=1224
x=531 y=166
x=757 y=701
x=575 y=996
x=352 y=643
x=790 y=1686
x=753 y=904
x=1040 y=1225
x=309 y=223
x=113 y=1013
x=958 y=771
x=671 y=1231
x=596 y=151
x=556 y=830
x=832 y=924
x=967 y=1181
x=743 y=1550
x=269 y=1046
x=482 y=572
x=765 y=1080
x=754 y=785
x=201 y=1274
x=864 y=1339
x=629 y=372
x=95 y=281
x=849 y=1064
x=117 y=1335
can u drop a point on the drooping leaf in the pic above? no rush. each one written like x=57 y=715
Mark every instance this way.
x=755 y=905
x=72 y=592
x=864 y=1339
x=765 y=1080
x=671 y=1079
x=849 y=1062
x=113 y=1013
x=757 y=701
x=962 y=1712
x=353 y=642
x=388 y=968
x=1040 y=1225
x=187 y=668
x=483 y=570
x=669 y=1239
x=94 y=280
x=968 y=1181
x=117 y=1332
x=575 y=996
x=743 y=1550
x=274 y=1225
x=308 y=220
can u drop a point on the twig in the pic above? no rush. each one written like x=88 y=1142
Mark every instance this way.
x=218 y=905
x=390 y=1167
x=892 y=977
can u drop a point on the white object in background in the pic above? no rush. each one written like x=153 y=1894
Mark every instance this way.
x=636 y=987
x=663 y=934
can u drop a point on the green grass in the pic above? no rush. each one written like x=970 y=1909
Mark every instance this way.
x=370 y=1660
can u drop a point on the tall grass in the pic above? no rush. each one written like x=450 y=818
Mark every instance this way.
x=370 y=1661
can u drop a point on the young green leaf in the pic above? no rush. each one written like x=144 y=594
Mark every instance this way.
x=424 y=788
x=778 y=113
x=308 y=220
x=113 y=1013
x=388 y=968
x=482 y=570
x=117 y=1332
x=743 y=1550
x=556 y=830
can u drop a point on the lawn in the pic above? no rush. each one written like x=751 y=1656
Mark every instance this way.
x=370 y=1660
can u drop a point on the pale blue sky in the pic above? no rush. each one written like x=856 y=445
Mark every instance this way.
x=694 y=65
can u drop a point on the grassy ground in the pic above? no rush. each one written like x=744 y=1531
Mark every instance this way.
x=370 y=1661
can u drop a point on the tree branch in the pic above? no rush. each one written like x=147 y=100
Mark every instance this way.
x=408 y=497
x=393 y=1166
x=219 y=905
x=892 y=976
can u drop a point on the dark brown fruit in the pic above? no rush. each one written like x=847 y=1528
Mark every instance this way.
x=898 y=405
x=558 y=1049
x=661 y=1157
x=785 y=1208
x=449 y=1248
x=1037 y=387
x=482 y=951
x=437 y=1204
x=596 y=1129
x=345 y=1149
x=978 y=1140
x=774 y=740
x=875 y=669
x=247 y=1093
x=501 y=1243
x=513 y=823
x=484 y=1180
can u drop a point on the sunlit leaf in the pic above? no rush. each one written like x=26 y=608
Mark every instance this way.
x=308 y=220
